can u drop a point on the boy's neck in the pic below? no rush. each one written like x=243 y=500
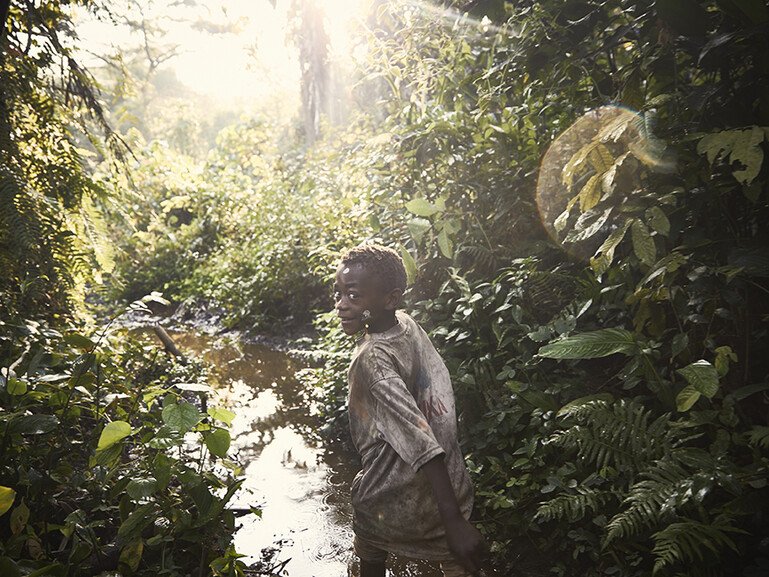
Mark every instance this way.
x=385 y=323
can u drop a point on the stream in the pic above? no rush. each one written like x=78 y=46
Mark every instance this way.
x=301 y=483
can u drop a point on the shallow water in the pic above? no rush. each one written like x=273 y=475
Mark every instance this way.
x=301 y=483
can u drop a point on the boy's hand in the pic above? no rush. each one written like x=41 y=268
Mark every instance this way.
x=467 y=544
x=465 y=541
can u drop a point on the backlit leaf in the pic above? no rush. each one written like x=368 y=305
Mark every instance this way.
x=112 y=433
x=421 y=207
x=7 y=495
x=218 y=442
x=592 y=345
x=409 y=264
x=221 y=414
x=181 y=416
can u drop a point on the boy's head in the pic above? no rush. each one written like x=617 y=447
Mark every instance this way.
x=370 y=282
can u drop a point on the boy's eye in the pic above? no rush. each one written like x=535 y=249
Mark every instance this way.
x=352 y=296
x=337 y=295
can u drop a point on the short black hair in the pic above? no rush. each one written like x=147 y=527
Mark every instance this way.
x=382 y=262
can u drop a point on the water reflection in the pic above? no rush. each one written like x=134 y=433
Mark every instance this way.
x=301 y=482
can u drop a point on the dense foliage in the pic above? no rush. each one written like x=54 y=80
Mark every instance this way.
x=606 y=359
x=579 y=192
x=108 y=461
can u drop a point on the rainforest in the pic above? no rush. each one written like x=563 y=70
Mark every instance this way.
x=578 y=191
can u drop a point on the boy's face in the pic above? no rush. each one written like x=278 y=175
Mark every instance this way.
x=357 y=290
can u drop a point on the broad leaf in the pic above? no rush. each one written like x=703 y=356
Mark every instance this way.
x=702 y=376
x=112 y=433
x=445 y=244
x=643 y=243
x=421 y=207
x=222 y=415
x=33 y=424
x=7 y=495
x=592 y=345
x=181 y=416
x=218 y=442
x=686 y=398
x=16 y=387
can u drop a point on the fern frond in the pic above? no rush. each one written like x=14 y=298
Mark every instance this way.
x=572 y=507
x=616 y=433
x=689 y=541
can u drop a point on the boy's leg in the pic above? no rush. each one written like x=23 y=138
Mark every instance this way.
x=454 y=569
x=372 y=559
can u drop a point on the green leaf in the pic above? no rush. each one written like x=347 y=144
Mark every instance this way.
x=421 y=207
x=409 y=264
x=605 y=254
x=181 y=416
x=141 y=488
x=445 y=244
x=112 y=433
x=136 y=521
x=16 y=387
x=592 y=345
x=131 y=555
x=222 y=415
x=7 y=495
x=590 y=193
x=33 y=424
x=711 y=145
x=658 y=220
x=747 y=151
x=418 y=227
x=218 y=442
x=643 y=243
x=686 y=398
x=702 y=376
x=79 y=341
x=19 y=518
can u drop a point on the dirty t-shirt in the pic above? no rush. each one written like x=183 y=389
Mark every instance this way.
x=402 y=414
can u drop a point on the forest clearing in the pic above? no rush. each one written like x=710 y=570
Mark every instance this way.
x=578 y=192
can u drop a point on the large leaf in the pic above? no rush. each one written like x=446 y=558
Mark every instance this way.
x=605 y=254
x=643 y=243
x=592 y=345
x=218 y=442
x=181 y=416
x=702 y=376
x=136 y=521
x=112 y=433
x=686 y=398
x=421 y=207
x=33 y=424
x=221 y=414
x=7 y=495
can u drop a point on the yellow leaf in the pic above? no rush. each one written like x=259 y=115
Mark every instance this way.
x=590 y=193
x=7 y=495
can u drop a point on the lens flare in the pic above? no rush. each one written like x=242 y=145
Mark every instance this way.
x=591 y=169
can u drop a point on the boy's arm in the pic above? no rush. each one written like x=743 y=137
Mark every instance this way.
x=465 y=541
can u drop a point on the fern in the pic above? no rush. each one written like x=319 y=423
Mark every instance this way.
x=688 y=542
x=573 y=507
x=616 y=434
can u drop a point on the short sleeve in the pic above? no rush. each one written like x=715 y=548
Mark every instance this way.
x=402 y=424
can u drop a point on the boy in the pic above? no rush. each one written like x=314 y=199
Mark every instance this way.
x=413 y=495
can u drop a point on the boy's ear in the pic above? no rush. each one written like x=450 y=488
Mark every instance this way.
x=393 y=299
